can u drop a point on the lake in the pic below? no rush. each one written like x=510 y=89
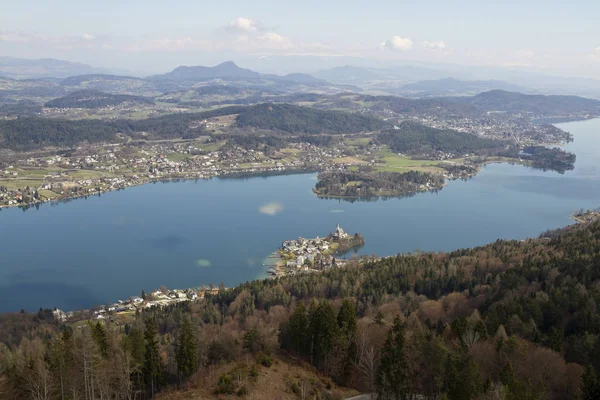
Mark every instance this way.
x=92 y=251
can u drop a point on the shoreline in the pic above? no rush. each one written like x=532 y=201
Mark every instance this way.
x=277 y=171
x=257 y=172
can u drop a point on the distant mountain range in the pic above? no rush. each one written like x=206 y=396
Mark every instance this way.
x=448 y=86
x=231 y=72
x=21 y=68
x=500 y=100
x=226 y=70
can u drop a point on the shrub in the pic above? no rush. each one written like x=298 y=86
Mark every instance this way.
x=225 y=385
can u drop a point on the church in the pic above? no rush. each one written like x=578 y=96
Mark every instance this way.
x=339 y=233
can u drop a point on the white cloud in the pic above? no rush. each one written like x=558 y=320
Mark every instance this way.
x=398 y=43
x=596 y=54
x=434 y=45
x=242 y=24
x=272 y=208
x=87 y=36
x=275 y=41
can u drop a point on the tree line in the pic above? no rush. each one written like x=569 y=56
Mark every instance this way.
x=94 y=99
x=509 y=320
x=416 y=139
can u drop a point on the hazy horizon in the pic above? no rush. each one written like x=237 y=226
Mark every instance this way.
x=548 y=37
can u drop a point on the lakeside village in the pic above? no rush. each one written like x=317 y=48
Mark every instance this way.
x=314 y=255
x=296 y=256
x=95 y=169
x=159 y=298
x=584 y=217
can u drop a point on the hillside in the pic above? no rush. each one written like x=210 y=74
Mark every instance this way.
x=513 y=317
x=30 y=133
x=94 y=99
x=22 y=68
x=413 y=138
x=451 y=85
x=226 y=70
x=287 y=378
x=296 y=119
x=499 y=100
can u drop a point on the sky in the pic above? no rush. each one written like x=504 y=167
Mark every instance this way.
x=156 y=36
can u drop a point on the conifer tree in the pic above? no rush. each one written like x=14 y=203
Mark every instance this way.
x=152 y=364
x=392 y=375
x=187 y=349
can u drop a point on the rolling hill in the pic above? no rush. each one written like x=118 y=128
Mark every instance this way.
x=226 y=70
x=451 y=85
x=500 y=100
x=94 y=99
x=22 y=68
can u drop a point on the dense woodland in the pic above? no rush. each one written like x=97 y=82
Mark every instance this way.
x=94 y=99
x=413 y=138
x=500 y=100
x=549 y=158
x=29 y=133
x=304 y=120
x=367 y=184
x=510 y=320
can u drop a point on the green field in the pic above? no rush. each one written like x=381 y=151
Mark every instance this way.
x=211 y=146
x=177 y=157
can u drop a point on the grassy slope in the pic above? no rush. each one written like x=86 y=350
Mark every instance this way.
x=276 y=382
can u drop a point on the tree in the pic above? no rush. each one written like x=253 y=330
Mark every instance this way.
x=366 y=362
x=346 y=320
x=323 y=331
x=152 y=368
x=100 y=338
x=187 y=349
x=297 y=330
x=392 y=376
x=590 y=385
x=462 y=378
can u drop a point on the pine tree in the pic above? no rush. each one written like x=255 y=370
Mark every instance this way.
x=298 y=330
x=392 y=375
x=100 y=337
x=323 y=331
x=152 y=364
x=590 y=386
x=346 y=320
x=187 y=349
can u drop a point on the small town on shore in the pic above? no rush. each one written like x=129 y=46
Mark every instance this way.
x=295 y=256
x=584 y=217
x=314 y=255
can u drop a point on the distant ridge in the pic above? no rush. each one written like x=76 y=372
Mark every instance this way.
x=501 y=100
x=452 y=85
x=22 y=68
x=225 y=70
x=93 y=99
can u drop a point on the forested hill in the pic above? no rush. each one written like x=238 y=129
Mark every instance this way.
x=500 y=100
x=413 y=138
x=30 y=133
x=509 y=320
x=94 y=99
x=297 y=120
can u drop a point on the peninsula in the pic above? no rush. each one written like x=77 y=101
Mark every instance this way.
x=313 y=255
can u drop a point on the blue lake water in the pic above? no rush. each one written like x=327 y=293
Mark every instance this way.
x=183 y=234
